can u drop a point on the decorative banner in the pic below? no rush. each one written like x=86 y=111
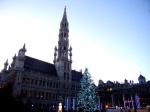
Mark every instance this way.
x=137 y=102
x=73 y=103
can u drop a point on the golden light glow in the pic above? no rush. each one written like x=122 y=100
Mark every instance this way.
x=106 y=106
x=60 y=107
x=110 y=89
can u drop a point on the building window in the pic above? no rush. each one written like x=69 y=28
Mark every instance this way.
x=47 y=84
x=54 y=96
x=27 y=81
x=42 y=95
x=34 y=94
x=64 y=76
x=31 y=94
x=67 y=76
x=35 y=82
x=46 y=95
x=64 y=86
x=50 y=84
x=40 y=83
x=23 y=80
x=56 y=85
x=110 y=89
x=51 y=95
x=32 y=81
x=64 y=65
x=68 y=67
x=25 y=93
x=43 y=83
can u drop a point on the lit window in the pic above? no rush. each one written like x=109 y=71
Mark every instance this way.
x=110 y=89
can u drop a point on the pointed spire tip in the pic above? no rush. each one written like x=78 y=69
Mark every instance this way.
x=7 y=61
x=24 y=46
x=65 y=10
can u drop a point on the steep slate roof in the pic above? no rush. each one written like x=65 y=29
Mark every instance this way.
x=32 y=64
x=35 y=65
x=76 y=76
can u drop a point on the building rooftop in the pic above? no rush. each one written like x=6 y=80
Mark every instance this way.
x=39 y=66
x=35 y=65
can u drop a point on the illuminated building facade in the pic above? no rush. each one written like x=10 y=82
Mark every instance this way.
x=126 y=95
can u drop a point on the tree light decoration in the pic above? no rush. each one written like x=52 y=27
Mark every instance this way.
x=86 y=97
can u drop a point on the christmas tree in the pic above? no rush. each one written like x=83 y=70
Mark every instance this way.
x=86 y=97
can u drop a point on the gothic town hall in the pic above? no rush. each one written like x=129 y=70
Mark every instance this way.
x=44 y=84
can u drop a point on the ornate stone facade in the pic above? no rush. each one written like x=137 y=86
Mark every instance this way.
x=44 y=84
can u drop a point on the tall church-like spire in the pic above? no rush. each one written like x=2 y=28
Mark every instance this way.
x=65 y=15
x=63 y=42
x=62 y=52
x=64 y=30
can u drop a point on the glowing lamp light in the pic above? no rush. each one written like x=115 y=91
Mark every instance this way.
x=60 y=107
x=106 y=106
x=116 y=107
